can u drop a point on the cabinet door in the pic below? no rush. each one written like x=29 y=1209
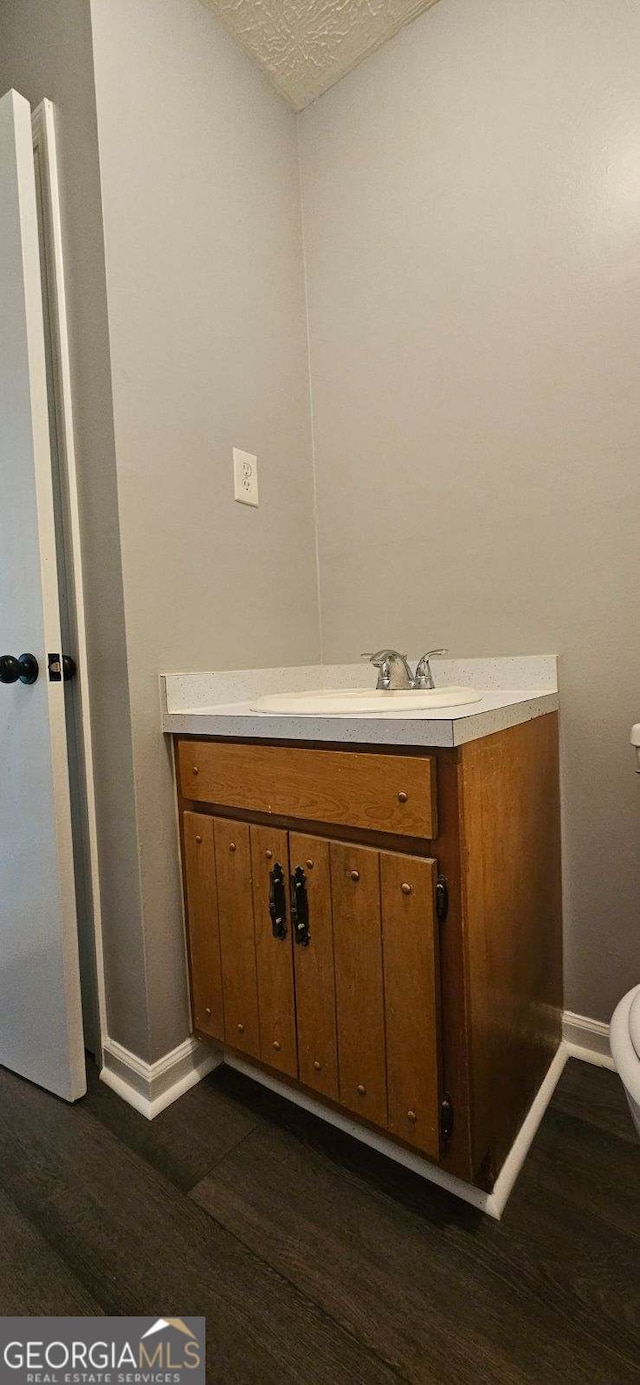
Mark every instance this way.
x=237 y=942
x=357 y=943
x=202 y=925
x=314 y=973
x=411 y=998
x=274 y=960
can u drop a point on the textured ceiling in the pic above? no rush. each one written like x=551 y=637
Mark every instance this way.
x=307 y=45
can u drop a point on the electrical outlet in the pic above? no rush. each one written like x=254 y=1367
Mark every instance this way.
x=245 y=477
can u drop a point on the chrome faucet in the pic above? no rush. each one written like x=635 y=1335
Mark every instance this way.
x=394 y=671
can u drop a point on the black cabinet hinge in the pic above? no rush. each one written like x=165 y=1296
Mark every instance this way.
x=446 y=1120
x=442 y=898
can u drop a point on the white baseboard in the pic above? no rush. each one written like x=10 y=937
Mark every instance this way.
x=527 y=1132
x=492 y=1204
x=400 y=1155
x=150 y=1087
x=587 y=1039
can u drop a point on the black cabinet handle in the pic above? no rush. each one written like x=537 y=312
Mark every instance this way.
x=25 y=668
x=300 y=907
x=277 y=902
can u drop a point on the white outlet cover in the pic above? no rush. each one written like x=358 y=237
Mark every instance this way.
x=245 y=477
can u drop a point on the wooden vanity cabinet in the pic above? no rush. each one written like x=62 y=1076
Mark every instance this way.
x=274 y=950
x=238 y=964
x=315 y=986
x=201 y=900
x=372 y=792
x=337 y=987
x=412 y=999
x=385 y=960
x=411 y=980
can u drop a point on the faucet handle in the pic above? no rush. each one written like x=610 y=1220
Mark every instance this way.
x=432 y=653
x=380 y=660
x=381 y=654
x=424 y=676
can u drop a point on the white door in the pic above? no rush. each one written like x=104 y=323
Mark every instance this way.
x=40 y=1010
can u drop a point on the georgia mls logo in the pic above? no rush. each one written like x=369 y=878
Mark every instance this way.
x=191 y=1348
x=161 y=1323
x=102 y=1351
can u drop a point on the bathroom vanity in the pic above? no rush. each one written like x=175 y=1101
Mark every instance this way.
x=373 y=908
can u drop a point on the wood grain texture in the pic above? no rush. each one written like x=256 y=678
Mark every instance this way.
x=186 y=1139
x=237 y=936
x=136 y=1243
x=314 y=1258
x=357 y=944
x=513 y=921
x=549 y=1294
x=274 y=956
x=564 y=1152
x=499 y=950
x=34 y=1277
x=375 y=792
x=314 y=971
x=455 y=1067
x=339 y=832
x=606 y=1110
x=411 y=999
x=205 y=967
x=456 y=1158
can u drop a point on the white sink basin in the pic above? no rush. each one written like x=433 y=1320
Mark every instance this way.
x=334 y=702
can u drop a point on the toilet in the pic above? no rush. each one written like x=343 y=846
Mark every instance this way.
x=624 y=1033
x=624 y=1038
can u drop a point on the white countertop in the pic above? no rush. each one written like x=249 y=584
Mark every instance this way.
x=220 y=704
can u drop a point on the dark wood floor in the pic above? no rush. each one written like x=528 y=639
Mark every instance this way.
x=315 y=1259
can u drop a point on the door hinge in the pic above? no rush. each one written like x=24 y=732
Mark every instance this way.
x=446 y=1120
x=61 y=668
x=442 y=898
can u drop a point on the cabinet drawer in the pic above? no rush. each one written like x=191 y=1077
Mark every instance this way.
x=384 y=793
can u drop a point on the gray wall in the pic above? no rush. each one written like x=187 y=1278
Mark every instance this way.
x=473 y=256
x=471 y=200
x=201 y=199
x=45 y=50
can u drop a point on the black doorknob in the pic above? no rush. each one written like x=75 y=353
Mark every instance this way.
x=25 y=668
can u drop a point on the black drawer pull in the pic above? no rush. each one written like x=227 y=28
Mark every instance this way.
x=277 y=902
x=300 y=907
